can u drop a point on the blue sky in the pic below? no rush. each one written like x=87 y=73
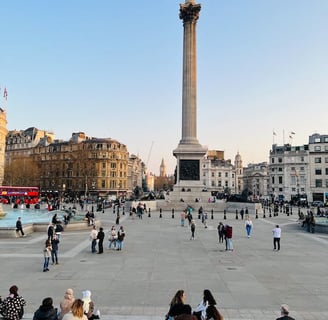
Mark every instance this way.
x=114 y=69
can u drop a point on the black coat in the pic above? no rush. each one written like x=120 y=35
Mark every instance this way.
x=45 y=314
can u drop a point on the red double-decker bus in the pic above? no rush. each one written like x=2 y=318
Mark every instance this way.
x=26 y=194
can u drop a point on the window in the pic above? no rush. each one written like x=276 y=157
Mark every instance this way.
x=103 y=183
x=219 y=183
x=219 y=174
x=280 y=180
x=226 y=174
x=318 y=172
x=213 y=184
x=317 y=148
x=272 y=180
x=326 y=183
x=104 y=165
x=302 y=159
x=301 y=168
x=326 y=159
x=280 y=169
x=233 y=176
x=318 y=183
x=226 y=184
x=317 y=160
x=212 y=174
x=272 y=169
x=280 y=160
x=326 y=170
x=317 y=140
x=272 y=160
x=280 y=189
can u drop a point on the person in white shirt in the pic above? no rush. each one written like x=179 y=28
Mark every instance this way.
x=276 y=237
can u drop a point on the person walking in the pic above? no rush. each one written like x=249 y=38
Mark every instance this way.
x=100 y=237
x=276 y=237
x=19 y=226
x=47 y=254
x=192 y=229
x=248 y=226
x=120 y=238
x=54 y=249
x=228 y=237
x=50 y=231
x=221 y=232
x=93 y=238
x=12 y=308
x=182 y=218
x=284 y=310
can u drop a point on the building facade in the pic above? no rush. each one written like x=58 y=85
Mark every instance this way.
x=318 y=167
x=20 y=143
x=3 y=135
x=289 y=173
x=219 y=175
x=83 y=166
x=256 y=180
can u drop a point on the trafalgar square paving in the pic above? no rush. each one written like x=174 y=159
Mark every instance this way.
x=158 y=258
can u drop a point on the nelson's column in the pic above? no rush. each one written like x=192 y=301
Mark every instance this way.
x=189 y=151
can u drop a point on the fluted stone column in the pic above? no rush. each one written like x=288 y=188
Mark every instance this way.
x=189 y=151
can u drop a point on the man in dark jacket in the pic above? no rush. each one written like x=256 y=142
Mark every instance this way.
x=100 y=237
x=46 y=311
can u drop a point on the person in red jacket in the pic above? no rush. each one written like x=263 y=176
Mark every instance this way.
x=228 y=238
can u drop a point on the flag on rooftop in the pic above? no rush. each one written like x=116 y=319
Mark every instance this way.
x=5 y=93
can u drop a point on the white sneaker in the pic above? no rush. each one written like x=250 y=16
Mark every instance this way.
x=98 y=313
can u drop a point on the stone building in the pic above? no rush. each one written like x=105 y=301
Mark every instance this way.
x=3 y=134
x=318 y=168
x=256 y=180
x=221 y=175
x=289 y=172
x=84 y=166
x=20 y=143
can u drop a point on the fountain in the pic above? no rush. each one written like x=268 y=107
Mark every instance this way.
x=36 y=220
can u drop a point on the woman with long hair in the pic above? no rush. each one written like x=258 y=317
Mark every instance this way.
x=212 y=313
x=178 y=306
x=77 y=312
x=208 y=300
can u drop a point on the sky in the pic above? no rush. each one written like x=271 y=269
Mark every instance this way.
x=113 y=69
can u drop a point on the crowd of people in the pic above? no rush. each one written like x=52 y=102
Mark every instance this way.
x=205 y=310
x=70 y=308
x=115 y=239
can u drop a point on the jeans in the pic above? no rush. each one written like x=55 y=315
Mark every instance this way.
x=119 y=245
x=54 y=256
x=93 y=245
x=248 y=230
x=46 y=263
x=229 y=244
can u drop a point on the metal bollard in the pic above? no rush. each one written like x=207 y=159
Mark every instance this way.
x=123 y=213
x=224 y=214
x=160 y=212
x=256 y=214
x=212 y=217
x=172 y=213
x=236 y=214
x=149 y=213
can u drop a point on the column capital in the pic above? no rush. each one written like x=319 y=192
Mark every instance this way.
x=189 y=12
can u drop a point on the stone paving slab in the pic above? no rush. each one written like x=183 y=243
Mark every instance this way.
x=159 y=258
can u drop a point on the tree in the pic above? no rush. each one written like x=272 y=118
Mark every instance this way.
x=22 y=172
